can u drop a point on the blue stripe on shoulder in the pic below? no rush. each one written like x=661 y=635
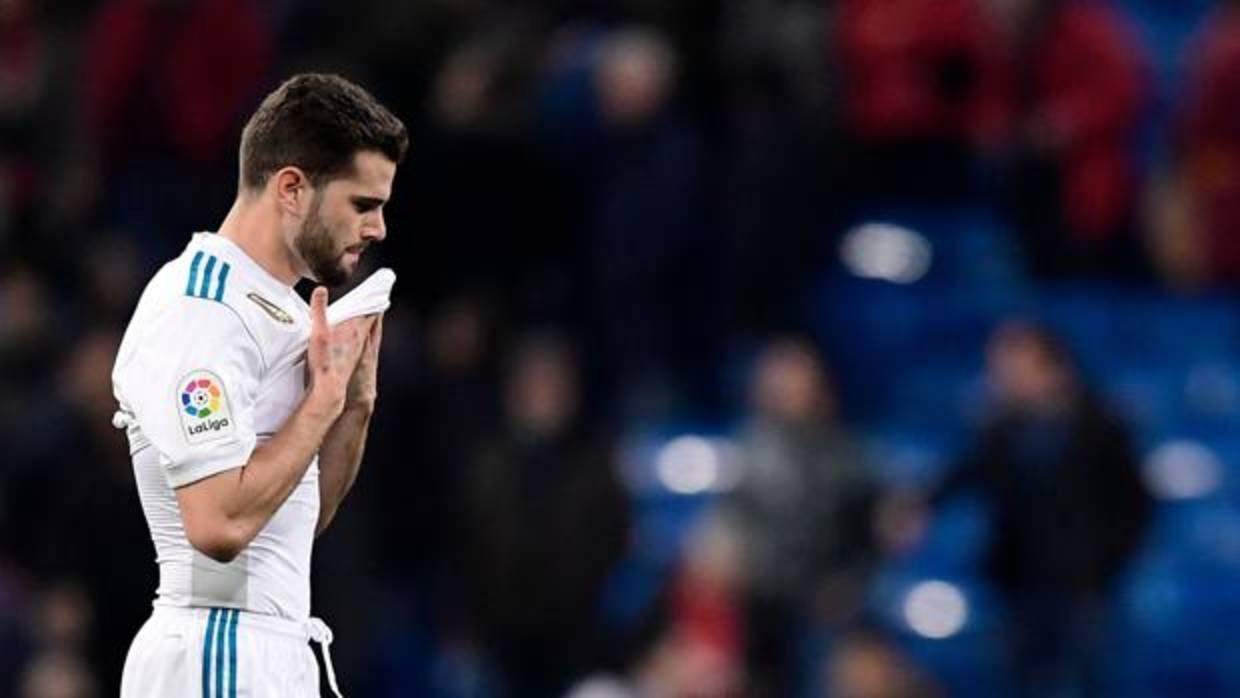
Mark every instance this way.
x=206 y=277
x=193 y=273
x=219 y=283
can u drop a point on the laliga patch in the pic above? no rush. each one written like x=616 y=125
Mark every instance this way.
x=203 y=406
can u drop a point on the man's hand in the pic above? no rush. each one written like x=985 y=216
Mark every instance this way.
x=341 y=453
x=332 y=355
x=363 y=384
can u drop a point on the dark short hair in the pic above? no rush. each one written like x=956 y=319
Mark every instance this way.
x=317 y=123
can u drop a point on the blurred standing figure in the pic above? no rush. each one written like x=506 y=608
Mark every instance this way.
x=1084 y=90
x=546 y=521
x=36 y=89
x=925 y=85
x=864 y=665
x=247 y=414
x=149 y=110
x=802 y=510
x=613 y=118
x=1067 y=504
x=1201 y=244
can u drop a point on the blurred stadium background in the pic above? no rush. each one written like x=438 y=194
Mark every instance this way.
x=848 y=348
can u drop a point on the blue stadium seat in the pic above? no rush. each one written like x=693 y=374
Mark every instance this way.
x=970 y=245
x=911 y=456
x=1174 y=634
x=938 y=395
x=1148 y=396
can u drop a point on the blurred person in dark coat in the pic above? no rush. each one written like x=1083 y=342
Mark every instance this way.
x=546 y=521
x=74 y=469
x=446 y=382
x=613 y=119
x=1067 y=504
x=801 y=510
x=36 y=134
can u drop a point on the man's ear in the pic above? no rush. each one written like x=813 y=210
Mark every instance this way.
x=293 y=191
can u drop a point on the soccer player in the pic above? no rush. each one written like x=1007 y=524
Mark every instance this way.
x=246 y=412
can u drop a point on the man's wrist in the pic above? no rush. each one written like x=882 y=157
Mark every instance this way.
x=324 y=405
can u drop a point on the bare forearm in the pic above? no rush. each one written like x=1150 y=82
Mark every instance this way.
x=279 y=464
x=225 y=512
x=340 y=458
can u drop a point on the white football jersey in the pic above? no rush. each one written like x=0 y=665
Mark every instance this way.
x=213 y=363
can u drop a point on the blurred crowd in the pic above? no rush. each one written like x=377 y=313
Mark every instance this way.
x=613 y=216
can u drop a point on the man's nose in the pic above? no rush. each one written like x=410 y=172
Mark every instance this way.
x=377 y=230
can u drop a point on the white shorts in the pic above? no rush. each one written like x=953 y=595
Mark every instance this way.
x=221 y=653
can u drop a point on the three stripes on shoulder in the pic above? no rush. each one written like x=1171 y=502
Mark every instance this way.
x=211 y=282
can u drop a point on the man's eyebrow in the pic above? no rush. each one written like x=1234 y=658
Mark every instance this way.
x=368 y=201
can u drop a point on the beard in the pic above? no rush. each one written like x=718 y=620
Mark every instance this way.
x=318 y=250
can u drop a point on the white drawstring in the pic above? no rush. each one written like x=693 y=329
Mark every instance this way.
x=122 y=419
x=320 y=633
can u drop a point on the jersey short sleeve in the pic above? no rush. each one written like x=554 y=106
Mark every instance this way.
x=192 y=384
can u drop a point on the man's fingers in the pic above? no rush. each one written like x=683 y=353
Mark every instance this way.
x=376 y=331
x=318 y=311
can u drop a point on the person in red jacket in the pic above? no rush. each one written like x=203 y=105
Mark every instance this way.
x=166 y=86
x=1084 y=89
x=183 y=71
x=1208 y=171
x=924 y=85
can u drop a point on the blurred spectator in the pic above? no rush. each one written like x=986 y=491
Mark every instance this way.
x=165 y=137
x=61 y=625
x=45 y=503
x=1063 y=485
x=35 y=117
x=29 y=344
x=690 y=642
x=479 y=182
x=16 y=645
x=58 y=675
x=925 y=89
x=865 y=666
x=801 y=510
x=143 y=96
x=546 y=521
x=1200 y=238
x=611 y=117
x=123 y=579
x=777 y=161
x=707 y=613
x=26 y=333
x=62 y=619
x=420 y=452
x=1084 y=91
x=111 y=276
